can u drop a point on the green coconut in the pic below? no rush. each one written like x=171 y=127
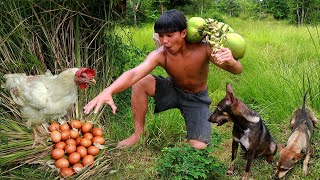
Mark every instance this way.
x=235 y=43
x=195 y=28
x=225 y=27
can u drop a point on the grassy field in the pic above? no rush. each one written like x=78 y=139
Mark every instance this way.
x=281 y=63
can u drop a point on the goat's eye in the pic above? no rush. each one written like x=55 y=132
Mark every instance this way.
x=220 y=112
x=283 y=169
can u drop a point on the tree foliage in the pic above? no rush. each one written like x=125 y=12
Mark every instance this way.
x=296 y=11
x=279 y=9
x=304 y=11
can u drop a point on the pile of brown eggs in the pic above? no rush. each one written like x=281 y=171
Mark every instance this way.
x=75 y=145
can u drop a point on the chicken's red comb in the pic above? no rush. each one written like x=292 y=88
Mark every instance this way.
x=89 y=72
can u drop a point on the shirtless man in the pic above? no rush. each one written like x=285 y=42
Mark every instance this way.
x=187 y=65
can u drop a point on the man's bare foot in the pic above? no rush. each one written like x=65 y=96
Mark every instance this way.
x=130 y=141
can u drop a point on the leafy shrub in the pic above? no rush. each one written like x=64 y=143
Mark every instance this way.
x=213 y=15
x=185 y=162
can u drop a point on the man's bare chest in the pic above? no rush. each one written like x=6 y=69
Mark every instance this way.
x=186 y=67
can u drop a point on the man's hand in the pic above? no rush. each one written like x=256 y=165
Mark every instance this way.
x=104 y=97
x=223 y=56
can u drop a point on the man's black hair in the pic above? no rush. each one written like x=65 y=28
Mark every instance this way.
x=170 y=21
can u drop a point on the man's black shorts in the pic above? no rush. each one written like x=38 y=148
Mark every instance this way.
x=193 y=106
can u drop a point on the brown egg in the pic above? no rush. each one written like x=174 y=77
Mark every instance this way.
x=98 y=139
x=64 y=127
x=70 y=148
x=71 y=141
x=66 y=172
x=60 y=145
x=78 y=139
x=77 y=167
x=88 y=135
x=85 y=142
x=82 y=151
x=93 y=150
x=74 y=134
x=62 y=163
x=86 y=127
x=57 y=153
x=54 y=127
x=76 y=124
x=65 y=134
x=55 y=136
x=97 y=131
x=87 y=160
x=74 y=158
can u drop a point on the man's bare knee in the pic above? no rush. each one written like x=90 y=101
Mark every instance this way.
x=198 y=144
x=145 y=85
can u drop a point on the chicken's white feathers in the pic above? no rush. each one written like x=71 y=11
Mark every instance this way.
x=42 y=97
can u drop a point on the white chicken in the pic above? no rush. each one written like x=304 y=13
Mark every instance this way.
x=44 y=97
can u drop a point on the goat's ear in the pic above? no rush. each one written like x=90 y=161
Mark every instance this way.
x=280 y=147
x=228 y=88
x=229 y=94
x=297 y=156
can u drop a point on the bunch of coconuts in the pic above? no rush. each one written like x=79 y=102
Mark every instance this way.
x=217 y=34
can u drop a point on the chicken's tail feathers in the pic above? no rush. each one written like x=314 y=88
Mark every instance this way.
x=48 y=73
x=12 y=82
x=8 y=76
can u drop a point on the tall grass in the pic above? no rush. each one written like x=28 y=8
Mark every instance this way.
x=280 y=65
x=36 y=36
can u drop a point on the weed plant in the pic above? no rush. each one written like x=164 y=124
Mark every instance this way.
x=184 y=162
x=280 y=65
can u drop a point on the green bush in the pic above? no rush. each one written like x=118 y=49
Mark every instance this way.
x=185 y=162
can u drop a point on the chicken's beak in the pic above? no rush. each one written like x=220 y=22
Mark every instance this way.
x=91 y=81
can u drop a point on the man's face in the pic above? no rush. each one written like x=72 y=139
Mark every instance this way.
x=172 y=41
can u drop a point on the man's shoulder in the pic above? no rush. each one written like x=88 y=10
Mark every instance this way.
x=201 y=47
x=202 y=44
x=160 y=52
x=157 y=55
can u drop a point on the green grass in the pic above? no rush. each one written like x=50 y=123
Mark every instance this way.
x=140 y=37
x=280 y=64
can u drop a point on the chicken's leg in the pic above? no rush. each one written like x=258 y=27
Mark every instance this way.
x=38 y=136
